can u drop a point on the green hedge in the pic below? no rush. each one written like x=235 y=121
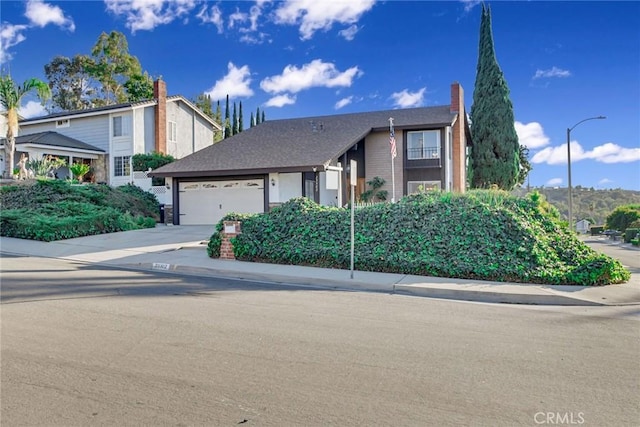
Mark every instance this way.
x=50 y=210
x=484 y=235
x=631 y=233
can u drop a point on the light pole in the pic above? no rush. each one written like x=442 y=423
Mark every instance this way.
x=569 y=165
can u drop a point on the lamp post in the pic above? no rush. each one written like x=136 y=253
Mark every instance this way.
x=569 y=165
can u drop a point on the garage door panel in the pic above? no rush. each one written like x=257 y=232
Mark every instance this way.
x=207 y=202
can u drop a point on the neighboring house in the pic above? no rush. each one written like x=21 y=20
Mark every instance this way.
x=107 y=137
x=583 y=226
x=277 y=160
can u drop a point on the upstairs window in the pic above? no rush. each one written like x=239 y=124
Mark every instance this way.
x=121 y=126
x=64 y=123
x=172 y=131
x=423 y=145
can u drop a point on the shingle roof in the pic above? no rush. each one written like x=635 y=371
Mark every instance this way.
x=298 y=144
x=54 y=139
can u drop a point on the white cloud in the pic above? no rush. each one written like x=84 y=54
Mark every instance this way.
x=10 y=35
x=343 y=102
x=41 y=14
x=32 y=109
x=606 y=153
x=406 y=99
x=237 y=16
x=553 y=182
x=148 y=14
x=281 y=100
x=314 y=74
x=605 y=181
x=235 y=84
x=349 y=33
x=552 y=72
x=470 y=4
x=314 y=15
x=213 y=16
x=531 y=135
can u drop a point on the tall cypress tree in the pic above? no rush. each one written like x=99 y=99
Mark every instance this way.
x=258 y=116
x=262 y=119
x=495 y=153
x=240 y=119
x=218 y=135
x=234 y=127
x=252 y=122
x=227 y=121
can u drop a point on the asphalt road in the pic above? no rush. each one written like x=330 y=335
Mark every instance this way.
x=84 y=345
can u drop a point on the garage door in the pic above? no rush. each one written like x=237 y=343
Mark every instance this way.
x=206 y=202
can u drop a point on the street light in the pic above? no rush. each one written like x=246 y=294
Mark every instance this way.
x=569 y=164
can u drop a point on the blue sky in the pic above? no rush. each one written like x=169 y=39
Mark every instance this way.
x=563 y=61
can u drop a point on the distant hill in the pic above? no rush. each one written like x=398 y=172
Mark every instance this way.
x=588 y=203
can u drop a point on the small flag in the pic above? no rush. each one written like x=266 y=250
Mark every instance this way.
x=392 y=140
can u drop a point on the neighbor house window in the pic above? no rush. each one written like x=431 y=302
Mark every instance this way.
x=121 y=126
x=172 y=132
x=414 y=187
x=423 y=145
x=122 y=166
x=62 y=123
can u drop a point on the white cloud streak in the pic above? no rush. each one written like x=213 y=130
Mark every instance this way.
x=531 y=135
x=316 y=15
x=148 y=14
x=236 y=83
x=10 y=35
x=349 y=33
x=212 y=16
x=41 y=14
x=406 y=99
x=553 y=182
x=314 y=74
x=343 y=102
x=607 y=153
x=552 y=72
x=281 y=100
x=470 y=4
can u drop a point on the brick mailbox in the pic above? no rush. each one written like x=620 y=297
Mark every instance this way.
x=231 y=229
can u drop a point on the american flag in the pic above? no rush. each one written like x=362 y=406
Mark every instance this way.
x=392 y=140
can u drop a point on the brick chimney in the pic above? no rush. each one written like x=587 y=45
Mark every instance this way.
x=459 y=143
x=160 y=122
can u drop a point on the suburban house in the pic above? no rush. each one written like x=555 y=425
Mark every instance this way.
x=277 y=160
x=107 y=137
x=583 y=226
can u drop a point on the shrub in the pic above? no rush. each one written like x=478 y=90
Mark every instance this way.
x=623 y=216
x=213 y=247
x=631 y=233
x=486 y=235
x=596 y=230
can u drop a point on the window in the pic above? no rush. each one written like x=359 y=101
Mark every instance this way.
x=423 y=145
x=414 y=187
x=121 y=126
x=122 y=166
x=172 y=132
x=62 y=123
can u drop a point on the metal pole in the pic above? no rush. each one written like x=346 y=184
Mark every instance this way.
x=353 y=202
x=570 y=196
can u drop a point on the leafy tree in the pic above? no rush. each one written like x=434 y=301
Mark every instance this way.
x=240 y=119
x=495 y=155
x=111 y=64
x=69 y=82
x=525 y=165
x=10 y=96
x=203 y=102
x=139 y=87
x=623 y=216
x=234 y=127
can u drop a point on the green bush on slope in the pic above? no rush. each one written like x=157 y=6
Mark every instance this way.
x=50 y=210
x=484 y=235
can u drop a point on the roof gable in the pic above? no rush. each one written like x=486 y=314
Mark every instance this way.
x=54 y=139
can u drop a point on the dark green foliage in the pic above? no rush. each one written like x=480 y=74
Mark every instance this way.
x=596 y=230
x=485 y=235
x=495 y=153
x=374 y=193
x=52 y=209
x=631 y=233
x=234 y=125
x=144 y=162
x=623 y=216
x=213 y=248
x=240 y=119
x=228 y=130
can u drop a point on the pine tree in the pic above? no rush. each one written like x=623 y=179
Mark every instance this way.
x=227 y=121
x=252 y=122
x=495 y=153
x=234 y=127
x=240 y=119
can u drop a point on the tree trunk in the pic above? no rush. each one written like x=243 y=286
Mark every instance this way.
x=9 y=148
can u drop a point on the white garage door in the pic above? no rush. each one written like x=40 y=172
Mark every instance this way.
x=206 y=202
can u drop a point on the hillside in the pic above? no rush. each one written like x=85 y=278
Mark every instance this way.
x=588 y=203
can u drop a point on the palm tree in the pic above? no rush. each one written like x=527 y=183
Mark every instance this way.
x=10 y=96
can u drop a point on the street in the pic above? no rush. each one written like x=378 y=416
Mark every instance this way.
x=87 y=345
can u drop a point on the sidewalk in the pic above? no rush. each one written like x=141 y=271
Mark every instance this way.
x=182 y=249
